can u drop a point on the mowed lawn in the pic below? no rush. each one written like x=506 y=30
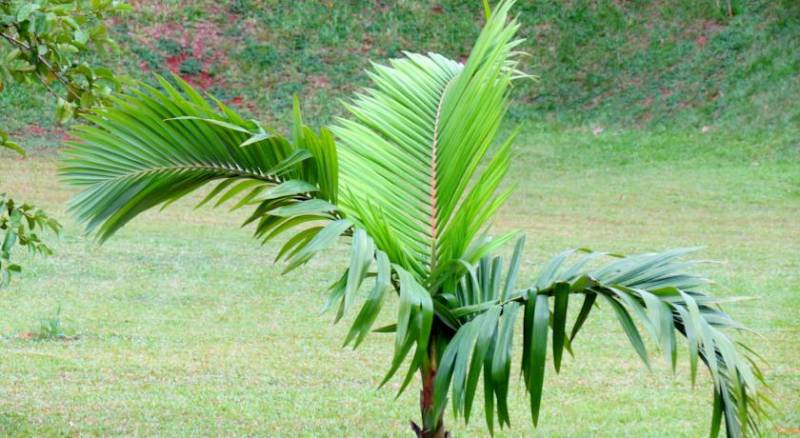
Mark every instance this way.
x=183 y=326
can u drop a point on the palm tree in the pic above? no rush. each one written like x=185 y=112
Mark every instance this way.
x=411 y=179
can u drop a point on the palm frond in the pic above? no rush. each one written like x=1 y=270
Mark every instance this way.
x=415 y=314
x=416 y=141
x=153 y=146
x=654 y=289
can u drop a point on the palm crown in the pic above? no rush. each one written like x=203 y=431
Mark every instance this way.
x=413 y=178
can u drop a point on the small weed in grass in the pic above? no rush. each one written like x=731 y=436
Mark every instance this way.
x=51 y=329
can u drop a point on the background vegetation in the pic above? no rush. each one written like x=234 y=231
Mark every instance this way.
x=682 y=121
x=632 y=64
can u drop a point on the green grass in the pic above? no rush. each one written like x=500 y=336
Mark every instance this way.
x=182 y=326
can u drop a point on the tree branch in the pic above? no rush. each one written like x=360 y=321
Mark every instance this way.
x=47 y=64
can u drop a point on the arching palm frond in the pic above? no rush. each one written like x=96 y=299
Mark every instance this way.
x=415 y=143
x=655 y=289
x=152 y=147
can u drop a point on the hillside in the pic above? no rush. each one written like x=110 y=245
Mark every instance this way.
x=631 y=63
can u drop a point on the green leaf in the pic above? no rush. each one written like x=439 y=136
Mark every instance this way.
x=501 y=364
x=64 y=111
x=630 y=328
x=588 y=302
x=13 y=146
x=322 y=240
x=513 y=268
x=289 y=188
x=297 y=242
x=486 y=334
x=217 y=122
x=256 y=138
x=691 y=320
x=561 y=294
x=391 y=328
x=239 y=188
x=716 y=416
x=550 y=271
x=414 y=321
x=24 y=12
x=297 y=126
x=372 y=306
x=361 y=259
x=538 y=354
x=80 y=37
x=313 y=206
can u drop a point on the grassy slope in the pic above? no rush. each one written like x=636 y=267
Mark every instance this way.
x=609 y=63
x=189 y=330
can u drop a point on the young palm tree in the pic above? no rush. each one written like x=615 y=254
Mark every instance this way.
x=412 y=180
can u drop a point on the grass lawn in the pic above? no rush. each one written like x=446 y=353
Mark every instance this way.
x=184 y=327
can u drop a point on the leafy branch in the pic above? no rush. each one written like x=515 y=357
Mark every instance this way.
x=21 y=225
x=47 y=42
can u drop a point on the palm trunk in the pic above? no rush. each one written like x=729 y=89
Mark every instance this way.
x=431 y=426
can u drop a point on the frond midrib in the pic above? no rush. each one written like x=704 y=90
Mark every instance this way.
x=220 y=171
x=434 y=212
